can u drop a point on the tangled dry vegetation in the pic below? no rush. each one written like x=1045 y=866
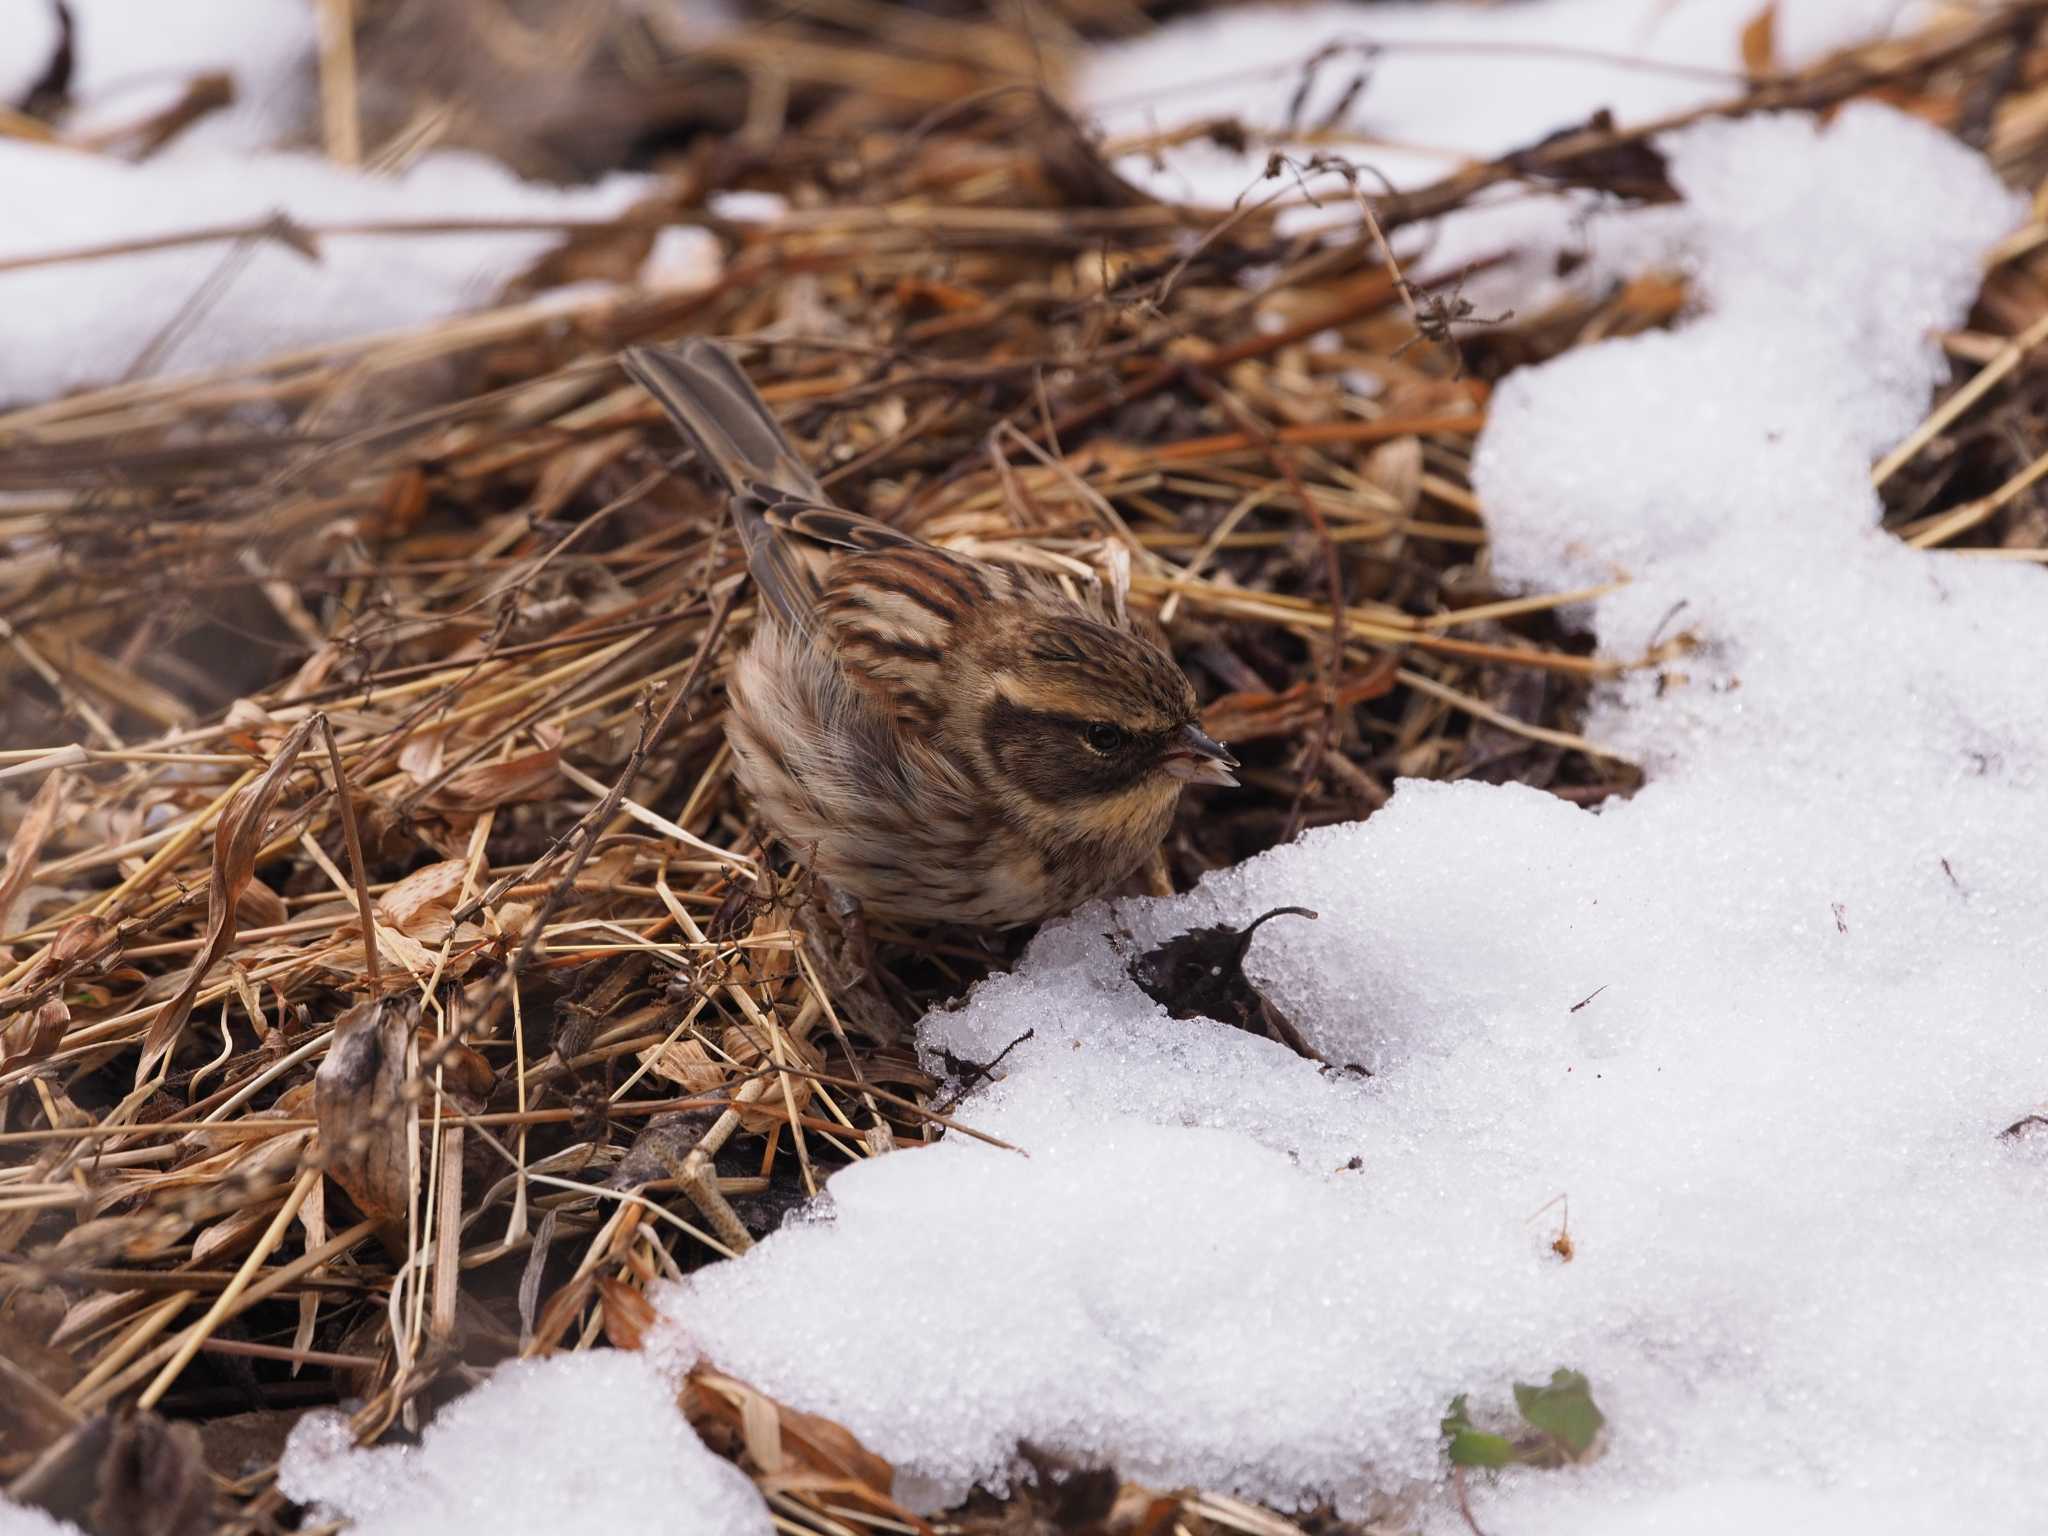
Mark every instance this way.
x=392 y=981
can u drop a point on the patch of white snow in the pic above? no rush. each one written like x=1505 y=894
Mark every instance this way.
x=589 y=1441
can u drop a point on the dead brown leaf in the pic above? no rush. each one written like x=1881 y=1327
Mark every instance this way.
x=136 y=1239
x=258 y=906
x=420 y=758
x=628 y=1315
x=684 y=1062
x=399 y=507
x=81 y=938
x=27 y=844
x=1759 y=42
x=1239 y=717
x=1396 y=468
x=464 y=1071
x=418 y=906
x=368 y=1124
x=30 y=1037
x=413 y=919
x=236 y=842
x=485 y=786
x=234 y=1234
x=750 y=1050
x=90 y=1312
x=791 y=1451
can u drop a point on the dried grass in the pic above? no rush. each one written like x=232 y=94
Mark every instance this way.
x=392 y=980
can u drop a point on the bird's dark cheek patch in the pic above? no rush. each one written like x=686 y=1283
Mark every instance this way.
x=1047 y=757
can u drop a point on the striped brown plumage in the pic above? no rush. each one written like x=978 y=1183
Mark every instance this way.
x=940 y=738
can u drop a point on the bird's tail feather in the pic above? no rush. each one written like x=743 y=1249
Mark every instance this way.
x=716 y=407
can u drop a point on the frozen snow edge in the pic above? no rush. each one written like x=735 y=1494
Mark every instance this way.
x=589 y=1440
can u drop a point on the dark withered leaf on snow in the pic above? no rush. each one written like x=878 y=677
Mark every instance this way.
x=1625 y=167
x=50 y=93
x=1200 y=974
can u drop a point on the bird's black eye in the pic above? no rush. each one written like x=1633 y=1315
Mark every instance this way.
x=1104 y=737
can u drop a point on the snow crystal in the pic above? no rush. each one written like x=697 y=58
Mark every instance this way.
x=62 y=332
x=591 y=1441
x=1760 y=1026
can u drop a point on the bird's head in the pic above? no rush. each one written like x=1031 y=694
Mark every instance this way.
x=1099 y=724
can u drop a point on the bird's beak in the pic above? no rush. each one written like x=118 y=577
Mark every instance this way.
x=1199 y=758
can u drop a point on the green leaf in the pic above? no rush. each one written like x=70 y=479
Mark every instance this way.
x=1476 y=1448
x=1470 y=1447
x=1457 y=1417
x=1563 y=1411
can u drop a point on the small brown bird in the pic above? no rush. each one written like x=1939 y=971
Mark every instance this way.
x=940 y=738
